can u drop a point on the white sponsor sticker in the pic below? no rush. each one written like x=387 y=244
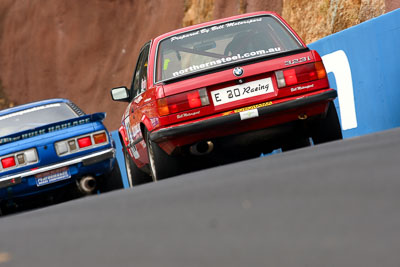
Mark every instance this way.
x=184 y=115
x=134 y=151
x=248 y=114
x=237 y=57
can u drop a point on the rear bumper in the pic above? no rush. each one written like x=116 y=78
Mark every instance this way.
x=208 y=124
x=86 y=160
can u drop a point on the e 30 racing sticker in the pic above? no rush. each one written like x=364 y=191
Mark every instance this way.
x=242 y=91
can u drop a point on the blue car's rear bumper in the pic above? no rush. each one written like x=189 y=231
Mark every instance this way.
x=24 y=184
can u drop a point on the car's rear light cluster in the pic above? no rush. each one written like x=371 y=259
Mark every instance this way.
x=19 y=159
x=182 y=102
x=79 y=143
x=300 y=74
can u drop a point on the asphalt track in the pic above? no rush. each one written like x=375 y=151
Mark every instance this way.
x=331 y=205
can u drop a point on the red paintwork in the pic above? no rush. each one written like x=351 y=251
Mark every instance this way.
x=145 y=114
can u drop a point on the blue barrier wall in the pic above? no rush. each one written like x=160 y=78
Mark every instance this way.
x=120 y=158
x=372 y=73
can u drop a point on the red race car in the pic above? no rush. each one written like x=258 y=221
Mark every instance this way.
x=223 y=91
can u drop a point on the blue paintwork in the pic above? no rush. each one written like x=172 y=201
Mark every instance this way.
x=119 y=155
x=44 y=144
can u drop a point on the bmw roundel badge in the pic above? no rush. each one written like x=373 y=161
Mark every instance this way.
x=238 y=71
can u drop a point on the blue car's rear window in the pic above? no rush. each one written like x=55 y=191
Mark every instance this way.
x=34 y=117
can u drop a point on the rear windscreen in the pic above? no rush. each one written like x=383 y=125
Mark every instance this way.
x=221 y=44
x=34 y=117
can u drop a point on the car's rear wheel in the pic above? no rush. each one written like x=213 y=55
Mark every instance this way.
x=161 y=164
x=135 y=175
x=3 y=210
x=327 y=129
x=296 y=143
x=112 y=180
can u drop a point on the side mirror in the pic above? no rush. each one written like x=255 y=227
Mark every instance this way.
x=120 y=94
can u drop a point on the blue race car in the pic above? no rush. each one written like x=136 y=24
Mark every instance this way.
x=49 y=145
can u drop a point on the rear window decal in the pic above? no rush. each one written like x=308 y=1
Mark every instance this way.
x=223 y=60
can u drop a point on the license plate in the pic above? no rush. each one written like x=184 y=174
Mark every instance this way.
x=242 y=91
x=52 y=176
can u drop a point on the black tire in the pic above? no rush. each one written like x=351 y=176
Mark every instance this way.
x=161 y=164
x=327 y=129
x=111 y=181
x=135 y=175
x=7 y=210
x=296 y=143
x=3 y=210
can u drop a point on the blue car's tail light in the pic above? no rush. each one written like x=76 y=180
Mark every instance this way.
x=81 y=142
x=8 y=162
x=85 y=142
x=61 y=148
x=72 y=145
x=100 y=138
x=19 y=159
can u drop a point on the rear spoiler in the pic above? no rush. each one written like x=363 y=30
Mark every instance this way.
x=52 y=127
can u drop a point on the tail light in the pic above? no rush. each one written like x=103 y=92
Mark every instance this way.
x=182 y=102
x=80 y=143
x=19 y=159
x=84 y=142
x=300 y=74
x=100 y=138
x=8 y=162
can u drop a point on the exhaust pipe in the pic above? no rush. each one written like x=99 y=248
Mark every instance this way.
x=87 y=185
x=302 y=116
x=202 y=148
